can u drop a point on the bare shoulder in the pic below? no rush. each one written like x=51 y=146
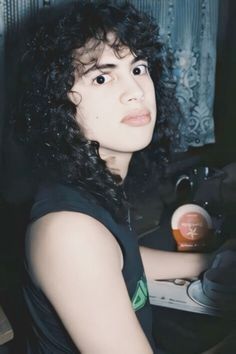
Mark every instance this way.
x=59 y=236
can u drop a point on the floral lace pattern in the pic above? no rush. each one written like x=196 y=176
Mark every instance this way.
x=190 y=28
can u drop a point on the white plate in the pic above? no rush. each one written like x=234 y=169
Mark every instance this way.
x=196 y=294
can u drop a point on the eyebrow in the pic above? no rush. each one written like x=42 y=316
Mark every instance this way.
x=110 y=66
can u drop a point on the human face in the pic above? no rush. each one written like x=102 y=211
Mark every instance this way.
x=115 y=101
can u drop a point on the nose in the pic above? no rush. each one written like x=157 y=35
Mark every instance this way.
x=132 y=91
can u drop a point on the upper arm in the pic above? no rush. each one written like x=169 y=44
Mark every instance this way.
x=77 y=263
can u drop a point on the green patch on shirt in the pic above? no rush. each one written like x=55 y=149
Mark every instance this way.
x=141 y=294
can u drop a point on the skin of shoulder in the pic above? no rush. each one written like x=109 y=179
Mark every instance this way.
x=78 y=263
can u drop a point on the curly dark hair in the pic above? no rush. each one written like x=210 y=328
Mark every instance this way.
x=46 y=116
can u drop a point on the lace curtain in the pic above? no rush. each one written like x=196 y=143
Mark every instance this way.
x=190 y=28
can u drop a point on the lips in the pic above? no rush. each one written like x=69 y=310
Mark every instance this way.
x=137 y=118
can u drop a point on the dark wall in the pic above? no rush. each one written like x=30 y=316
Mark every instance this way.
x=225 y=94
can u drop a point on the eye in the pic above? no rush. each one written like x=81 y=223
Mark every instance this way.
x=140 y=69
x=102 y=79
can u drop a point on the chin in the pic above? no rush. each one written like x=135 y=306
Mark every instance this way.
x=143 y=146
x=143 y=142
x=139 y=145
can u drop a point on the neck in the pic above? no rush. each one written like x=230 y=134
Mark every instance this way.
x=117 y=162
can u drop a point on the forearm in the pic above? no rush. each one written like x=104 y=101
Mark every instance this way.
x=170 y=265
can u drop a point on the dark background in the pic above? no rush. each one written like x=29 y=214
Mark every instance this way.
x=14 y=208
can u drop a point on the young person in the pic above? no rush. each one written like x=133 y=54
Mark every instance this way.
x=93 y=82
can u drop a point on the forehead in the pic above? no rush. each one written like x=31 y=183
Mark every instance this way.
x=96 y=52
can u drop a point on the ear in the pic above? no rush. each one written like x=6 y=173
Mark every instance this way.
x=75 y=97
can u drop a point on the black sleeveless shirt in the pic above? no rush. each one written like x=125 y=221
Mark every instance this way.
x=48 y=335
